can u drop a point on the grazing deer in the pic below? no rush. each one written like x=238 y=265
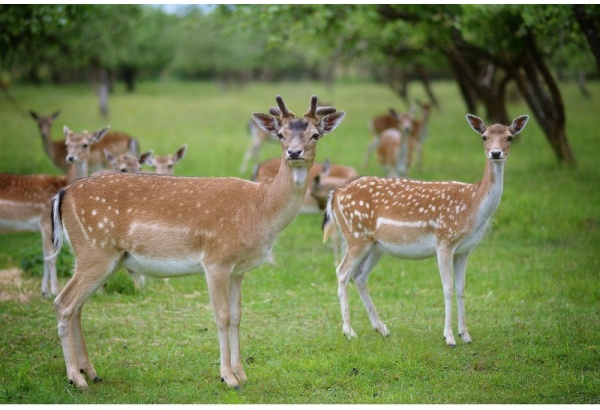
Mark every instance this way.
x=165 y=164
x=115 y=141
x=166 y=226
x=25 y=199
x=258 y=138
x=399 y=121
x=412 y=219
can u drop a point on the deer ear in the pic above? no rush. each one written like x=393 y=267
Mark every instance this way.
x=146 y=158
x=518 y=124
x=109 y=156
x=98 y=135
x=180 y=153
x=476 y=123
x=330 y=122
x=55 y=115
x=66 y=130
x=267 y=123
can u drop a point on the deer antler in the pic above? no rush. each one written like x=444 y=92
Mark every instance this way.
x=312 y=110
x=285 y=113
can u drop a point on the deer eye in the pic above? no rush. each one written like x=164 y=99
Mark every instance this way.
x=280 y=136
x=85 y=145
x=510 y=138
x=484 y=138
x=315 y=136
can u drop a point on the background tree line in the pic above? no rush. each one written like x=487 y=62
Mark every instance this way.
x=491 y=51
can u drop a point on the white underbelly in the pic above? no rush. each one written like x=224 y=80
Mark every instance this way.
x=421 y=249
x=162 y=267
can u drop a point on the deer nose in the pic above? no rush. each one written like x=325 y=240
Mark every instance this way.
x=294 y=153
x=496 y=154
x=70 y=158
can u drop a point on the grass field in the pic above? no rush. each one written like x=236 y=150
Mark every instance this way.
x=532 y=294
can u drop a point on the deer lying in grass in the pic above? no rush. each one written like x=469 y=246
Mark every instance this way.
x=168 y=226
x=418 y=219
x=126 y=163
x=25 y=199
x=165 y=164
x=114 y=141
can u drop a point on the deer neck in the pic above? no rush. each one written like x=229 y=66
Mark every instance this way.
x=284 y=195
x=77 y=171
x=489 y=191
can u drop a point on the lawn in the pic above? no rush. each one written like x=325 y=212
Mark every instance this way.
x=532 y=293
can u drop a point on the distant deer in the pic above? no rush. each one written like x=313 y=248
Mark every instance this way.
x=400 y=121
x=417 y=137
x=25 y=199
x=258 y=138
x=165 y=164
x=116 y=142
x=168 y=226
x=127 y=163
x=413 y=219
x=392 y=152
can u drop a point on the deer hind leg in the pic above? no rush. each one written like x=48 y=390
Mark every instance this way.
x=445 y=257
x=235 y=308
x=460 y=266
x=360 y=280
x=347 y=268
x=49 y=265
x=87 y=278
x=219 y=290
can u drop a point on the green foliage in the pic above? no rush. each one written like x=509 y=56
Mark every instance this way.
x=532 y=296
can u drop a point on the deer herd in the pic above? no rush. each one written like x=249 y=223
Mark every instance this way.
x=116 y=215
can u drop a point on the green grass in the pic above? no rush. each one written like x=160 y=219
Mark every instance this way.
x=532 y=285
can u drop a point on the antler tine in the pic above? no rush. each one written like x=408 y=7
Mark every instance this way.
x=284 y=110
x=312 y=110
x=323 y=111
x=275 y=111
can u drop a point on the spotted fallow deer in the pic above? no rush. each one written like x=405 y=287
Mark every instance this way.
x=412 y=219
x=167 y=226
x=25 y=199
x=399 y=121
x=115 y=141
x=165 y=164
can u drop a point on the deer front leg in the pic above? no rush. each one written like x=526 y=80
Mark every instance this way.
x=235 y=307
x=445 y=257
x=460 y=266
x=218 y=289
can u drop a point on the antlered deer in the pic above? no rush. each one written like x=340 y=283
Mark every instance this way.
x=114 y=141
x=166 y=226
x=25 y=199
x=412 y=219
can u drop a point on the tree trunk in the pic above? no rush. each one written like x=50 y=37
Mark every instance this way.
x=422 y=74
x=588 y=24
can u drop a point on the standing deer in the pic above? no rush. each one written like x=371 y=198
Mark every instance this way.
x=167 y=226
x=392 y=152
x=418 y=135
x=114 y=141
x=25 y=199
x=412 y=219
x=399 y=121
